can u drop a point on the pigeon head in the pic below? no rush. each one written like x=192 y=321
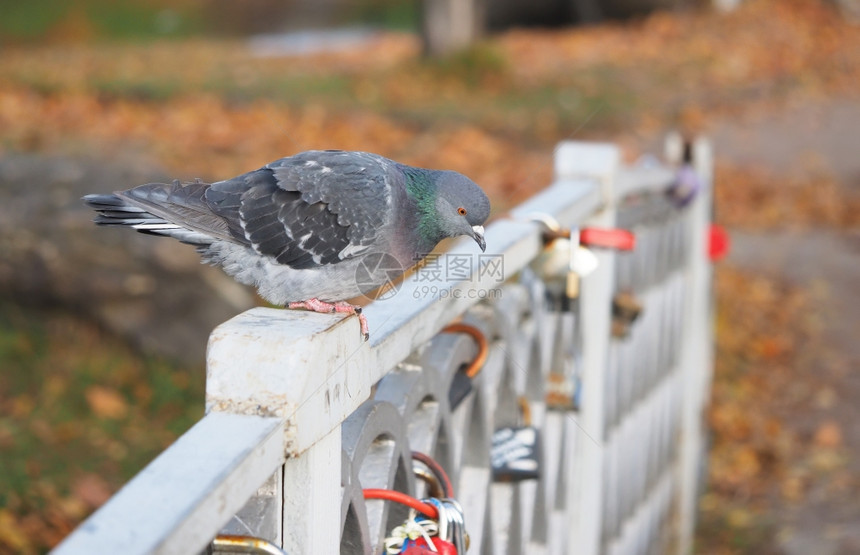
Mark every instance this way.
x=461 y=207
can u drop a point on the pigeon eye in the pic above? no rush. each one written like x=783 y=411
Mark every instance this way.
x=461 y=211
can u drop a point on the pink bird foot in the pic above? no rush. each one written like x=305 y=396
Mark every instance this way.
x=341 y=307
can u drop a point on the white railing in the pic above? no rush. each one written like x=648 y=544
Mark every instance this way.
x=302 y=414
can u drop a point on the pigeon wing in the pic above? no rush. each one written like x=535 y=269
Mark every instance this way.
x=312 y=209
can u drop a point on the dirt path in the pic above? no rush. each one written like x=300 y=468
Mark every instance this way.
x=824 y=261
x=826 y=132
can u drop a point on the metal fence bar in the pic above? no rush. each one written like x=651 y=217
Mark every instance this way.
x=180 y=500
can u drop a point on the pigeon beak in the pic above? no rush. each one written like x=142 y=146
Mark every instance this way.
x=478 y=236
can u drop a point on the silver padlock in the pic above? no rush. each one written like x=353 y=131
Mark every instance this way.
x=441 y=518
x=452 y=524
x=563 y=262
x=456 y=524
x=582 y=263
x=553 y=262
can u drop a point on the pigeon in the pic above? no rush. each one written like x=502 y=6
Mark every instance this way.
x=311 y=230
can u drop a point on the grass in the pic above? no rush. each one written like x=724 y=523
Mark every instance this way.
x=100 y=20
x=79 y=412
x=389 y=14
x=29 y=20
x=37 y=20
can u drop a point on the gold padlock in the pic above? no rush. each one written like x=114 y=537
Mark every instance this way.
x=572 y=282
x=626 y=308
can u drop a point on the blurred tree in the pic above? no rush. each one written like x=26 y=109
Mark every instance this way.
x=850 y=9
x=260 y=16
x=450 y=25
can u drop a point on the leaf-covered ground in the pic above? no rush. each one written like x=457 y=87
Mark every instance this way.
x=80 y=413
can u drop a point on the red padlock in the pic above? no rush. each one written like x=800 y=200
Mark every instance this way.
x=419 y=547
x=607 y=238
x=718 y=242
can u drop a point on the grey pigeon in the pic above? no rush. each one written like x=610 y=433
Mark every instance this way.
x=311 y=230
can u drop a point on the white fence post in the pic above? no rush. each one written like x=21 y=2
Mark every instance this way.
x=599 y=162
x=297 y=366
x=312 y=493
x=696 y=358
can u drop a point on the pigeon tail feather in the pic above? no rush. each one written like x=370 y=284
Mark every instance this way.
x=113 y=210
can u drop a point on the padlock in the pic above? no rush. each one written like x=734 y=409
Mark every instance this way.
x=684 y=187
x=456 y=525
x=434 y=487
x=566 y=259
x=607 y=238
x=420 y=547
x=719 y=243
x=578 y=262
x=461 y=387
x=582 y=263
x=626 y=308
x=452 y=526
x=562 y=392
x=561 y=266
x=551 y=265
x=461 y=383
x=515 y=450
x=562 y=384
x=433 y=474
x=229 y=543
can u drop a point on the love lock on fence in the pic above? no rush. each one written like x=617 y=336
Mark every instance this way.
x=566 y=259
x=228 y=543
x=434 y=524
x=461 y=384
x=515 y=450
x=626 y=309
x=567 y=256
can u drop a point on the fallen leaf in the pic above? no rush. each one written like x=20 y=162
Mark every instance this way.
x=11 y=534
x=739 y=518
x=92 y=489
x=106 y=403
x=829 y=435
x=793 y=488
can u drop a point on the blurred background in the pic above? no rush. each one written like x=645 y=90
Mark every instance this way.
x=103 y=332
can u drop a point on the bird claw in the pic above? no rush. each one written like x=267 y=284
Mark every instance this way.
x=362 y=321
x=340 y=307
x=345 y=307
